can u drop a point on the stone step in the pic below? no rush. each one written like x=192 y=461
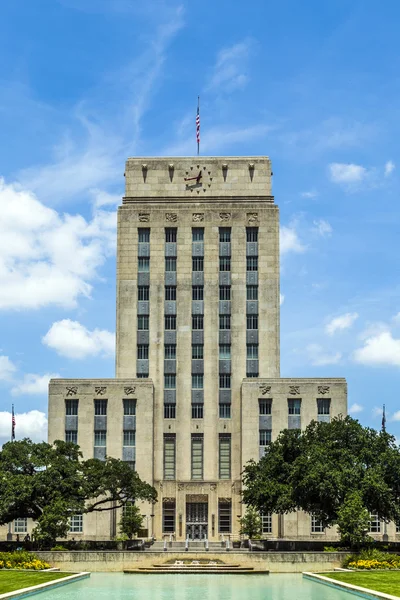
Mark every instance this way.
x=192 y=571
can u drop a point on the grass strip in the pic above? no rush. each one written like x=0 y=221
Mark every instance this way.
x=387 y=582
x=10 y=581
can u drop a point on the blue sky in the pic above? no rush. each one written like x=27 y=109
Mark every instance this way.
x=313 y=85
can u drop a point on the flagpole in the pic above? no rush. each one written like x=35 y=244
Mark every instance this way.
x=12 y=424
x=198 y=125
x=383 y=419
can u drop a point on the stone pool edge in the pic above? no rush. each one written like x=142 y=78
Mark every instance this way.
x=42 y=587
x=355 y=589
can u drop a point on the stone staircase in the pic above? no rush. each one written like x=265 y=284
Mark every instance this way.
x=193 y=546
x=203 y=567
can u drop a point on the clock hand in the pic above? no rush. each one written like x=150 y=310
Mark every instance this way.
x=197 y=178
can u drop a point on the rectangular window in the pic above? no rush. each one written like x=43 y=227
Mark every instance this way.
x=224 y=411
x=143 y=264
x=129 y=437
x=374 y=523
x=197 y=292
x=224 y=263
x=224 y=234
x=265 y=406
x=71 y=436
x=266 y=523
x=170 y=322
x=224 y=456
x=224 y=382
x=129 y=407
x=21 y=525
x=252 y=321
x=169 y=456
x=294 y=406
x=143 y=352
x=224 y=292
x=169 y=382
x=142 y=375
x=143 y=293
x=224 y=352
x=170 y=351
x=197 y=456
x=168 y=517
x=265 y=437
x=197 y=352
x=197 y=381
x=71 y=408
x=169 y=411
x=76 y=524
x=323 y=406
x=224 y=321
x=316 y=525
x=170 y=264
x=252 y=263
x=224 y=516
x=100 y=408
x=252 y=351
x=144 y=234
x=252 y=292
x=100 y=438
x=170 y=234
x=250 y=374
x=197 y=411
x=143 y=322
x=170 y=292
x=198 y=234
x=197 y=322
x=198 y=263
x=251 y=234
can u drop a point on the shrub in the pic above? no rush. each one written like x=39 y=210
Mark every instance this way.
x=372 y=559
x=59 y=548
x=21 y=560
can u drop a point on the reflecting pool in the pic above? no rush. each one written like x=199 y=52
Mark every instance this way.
x=117 y=586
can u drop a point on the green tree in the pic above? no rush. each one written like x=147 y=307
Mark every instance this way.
x=250 y=523
x=131 y=521
x=353 y=520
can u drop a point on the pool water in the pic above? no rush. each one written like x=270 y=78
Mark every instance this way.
x=117 y=586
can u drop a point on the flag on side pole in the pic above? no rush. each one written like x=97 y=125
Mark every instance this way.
x=12 y=424
x=198 y=125
x=383 y=419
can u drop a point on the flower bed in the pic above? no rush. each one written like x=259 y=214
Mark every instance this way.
x=373 y=559
x=21 y=560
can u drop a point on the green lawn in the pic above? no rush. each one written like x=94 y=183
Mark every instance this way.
x=382 y=581
x=16 y=580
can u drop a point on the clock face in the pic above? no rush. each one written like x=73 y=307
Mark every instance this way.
x=198 y=177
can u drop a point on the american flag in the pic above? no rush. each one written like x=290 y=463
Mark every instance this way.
x=12 y=424
x=198 y=125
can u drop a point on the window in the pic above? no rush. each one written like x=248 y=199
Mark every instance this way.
x=294 y=406
x=76 y=524
x=266 y=523
x=169 y=382
x=144 y=234
x=323 y=406
x=197 y=352
x=170 y=234
x=170 y=322
x=143 y=352
x=250 y=374
x=197 y=381
x=21 y=525
x=170 y=351
x=252 y=321
x=129 y=437
x=251 y=234
x=144 y=264
x=224 y=382
x=224 y=411
x=224 y=234
x=197 y=411
x=265 y=406
x=198 y=263
x=224 y=321
x=252 y=263
x=142 y=375
x=100 y=408
x=100 y=437
x=397 y=527
x=374 y=523
x=143 y=322
x=169 y=411
x=71 y=436
x=224 y=351
x=168 y=517
x=169 y=456
x=316 y=525
x=224 y=456
x=224 y=263
x=170 y=292
x=265 y=437
x=252 y=292
x=224 y=516
x=170 y=264
x=143 y=293
x=71 y=408
x=252 y=351
x=197 y=292
x=197 y=322
x=129 y=407
x=198 y=234
x=197 y=456
x=224 y=292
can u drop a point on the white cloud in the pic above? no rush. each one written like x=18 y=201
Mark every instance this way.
x=379 y=350
x=319 y=358
x=33 y=384
x=32 y=424
x=281 y=299
x=389 y=167
x=309 y=194
x=322 y=228
x=71 y=339
x=229 y=72
x=396 y=416
x=355 y=408
x=347 y=173
x=7 y=368
x=289 y=240
x=339 y=323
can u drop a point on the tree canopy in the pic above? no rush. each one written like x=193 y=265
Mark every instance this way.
x=316 y=470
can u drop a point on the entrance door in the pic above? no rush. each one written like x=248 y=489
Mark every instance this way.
x=196 y=520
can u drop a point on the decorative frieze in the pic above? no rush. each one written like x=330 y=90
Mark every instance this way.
x=129 y=390
x=323 y=389
x=144 y=217
x=294 y=390
x=72 y=390
x=265 y=389
x=171 y=217
x=100 y=390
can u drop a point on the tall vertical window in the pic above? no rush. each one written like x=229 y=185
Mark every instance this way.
x=197 y=381
x=169 y=410
x=71 y=408
x=224 y=516
x=143 y=351
x=143 y=322
x=129 y=437
x=224 y=234
x=170 y=381
x=252 y=263
x=144 y=235
x=224 y=456
x=265 y=406
x=143 y=293
x=71 y=436
x=374 y=523
x=224 y=321
x=168 y=517
x=224 y=410
x=76 y=524
x=323 y=406
x=197 y=456
x=170 y=351
x=252 y=321
x=170 y=235
x=198 y=292
x=197 y=322
x=252 y=292
x=224 y=352
x=252 y=351
x=198 y=234
x=224 y=263
x=266 y=523
x=170 y=292
x=224 y=292
x=198 y=263
x=129 y=407
x=197 y=411
x=265 y=437
x=100 y=408
x=169 y=456
x=170 y=264
x=251 y=234
x=170 y=322
x=100 y=438
x=316 y=525
x=197 y=352
x=224 y=381
x=143 y=264
x=294 y=406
